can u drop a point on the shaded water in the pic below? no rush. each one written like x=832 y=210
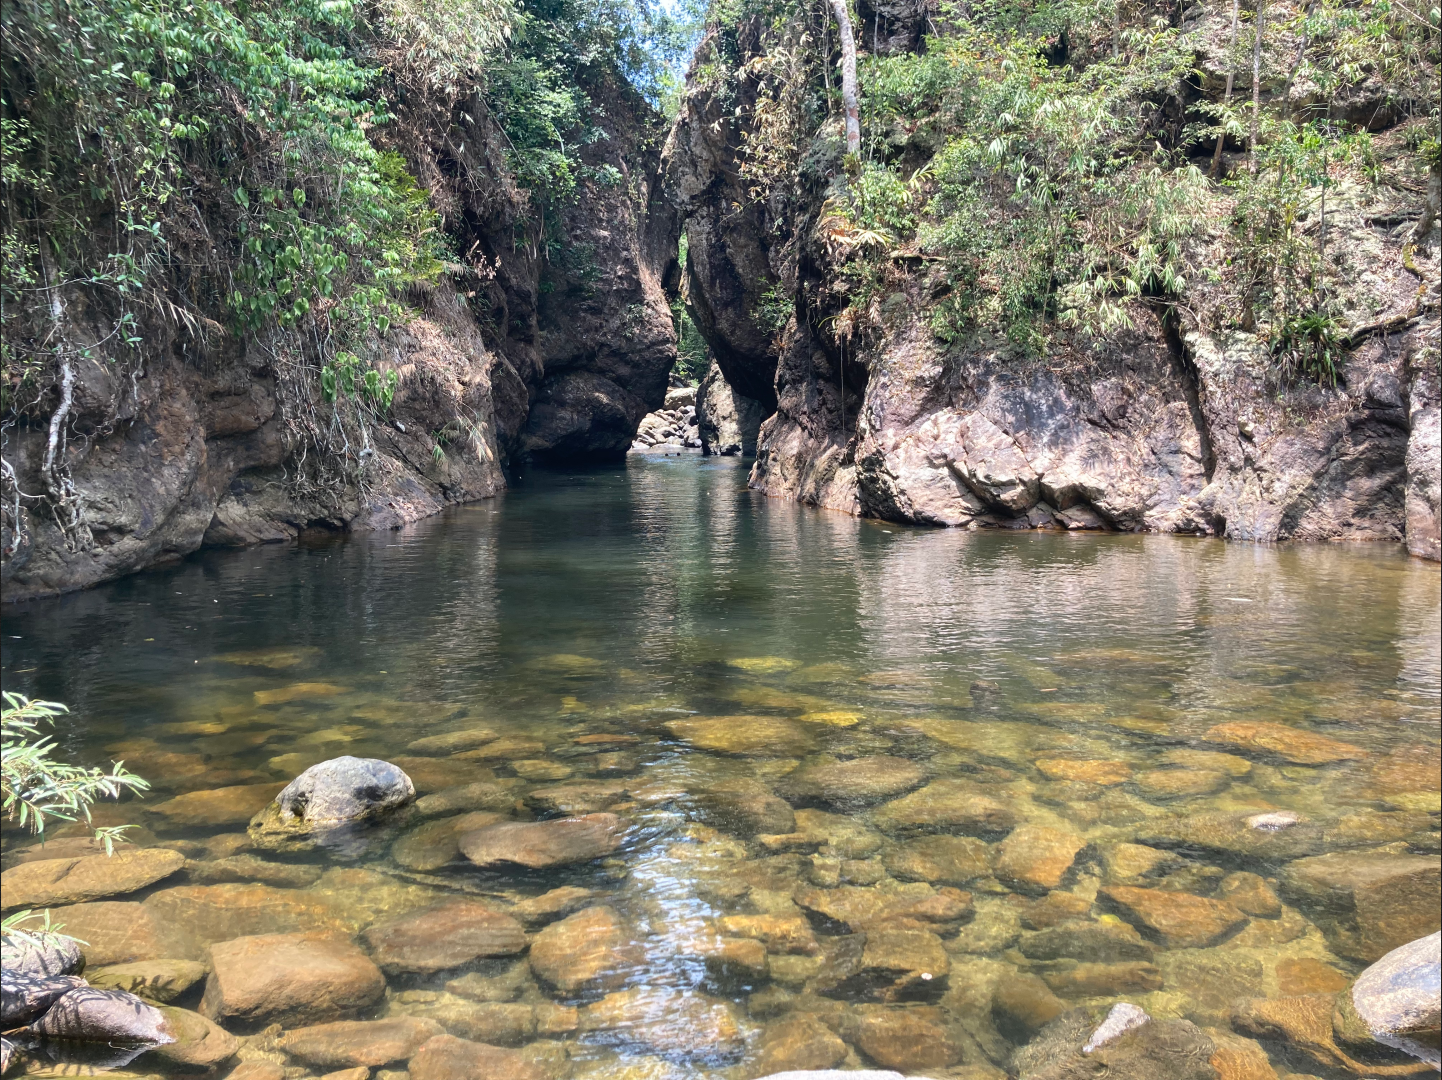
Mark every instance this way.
x=618 y=603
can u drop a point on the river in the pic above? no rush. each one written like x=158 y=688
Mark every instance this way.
x=1113 y=697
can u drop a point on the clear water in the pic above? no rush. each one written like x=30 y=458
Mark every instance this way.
x=619 y=601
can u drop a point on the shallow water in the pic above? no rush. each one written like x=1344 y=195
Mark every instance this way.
x=619 y=602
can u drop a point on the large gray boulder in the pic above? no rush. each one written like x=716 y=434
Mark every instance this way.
x=50 y=954
x=1397 y=1002
x=24 y=996
x=338 y=792
x=111 y=1016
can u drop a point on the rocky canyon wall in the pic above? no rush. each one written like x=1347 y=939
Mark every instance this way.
x=1170 y=425
x=544 y=341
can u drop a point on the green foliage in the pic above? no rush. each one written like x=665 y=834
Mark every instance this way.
x=1038 y=205
x=36 y=786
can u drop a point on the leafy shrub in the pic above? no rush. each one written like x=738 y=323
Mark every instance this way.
x=37 y=787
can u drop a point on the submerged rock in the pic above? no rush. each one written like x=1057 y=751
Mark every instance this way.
x=1181 y=920
x=199 y=1042
x=352 y=1043
x=446 y=936
x=666 y=1021
x=908 y=1037
x=1293 y=744
x=335 y=792
x=1093 y=942
x=160 y=981
x=541 y=844
x=948 y=806
x=446 y=1057
x=576 y=797
x=1123 y=1044
x=237 y=868
x=751 y=736
x=588 y=951
x=912 y=906
x=1368 y=903
x=216 y=808
x=798 y=1041
x=747 y=807
x=858 y=781
x=944 y=860
x=1034 y=858
x=52 y=882
x=481 y=795
x=452 y=742
x=432 y=845
x=289 y=979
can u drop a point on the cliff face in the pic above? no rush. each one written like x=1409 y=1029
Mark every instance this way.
x=528 y=349
x=1169 y=425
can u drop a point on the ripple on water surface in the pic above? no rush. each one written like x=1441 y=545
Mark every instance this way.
x=852 y=794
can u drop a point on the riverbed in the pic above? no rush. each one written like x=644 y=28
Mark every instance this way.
x=940 y=781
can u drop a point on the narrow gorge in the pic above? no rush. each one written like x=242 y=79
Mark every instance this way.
x=720 y=540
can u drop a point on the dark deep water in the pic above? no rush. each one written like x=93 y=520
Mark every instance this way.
x=620 y=601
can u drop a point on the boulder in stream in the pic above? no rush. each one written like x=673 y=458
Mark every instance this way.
x=112 y=1016
x=1397 y=1002
x=337 y=792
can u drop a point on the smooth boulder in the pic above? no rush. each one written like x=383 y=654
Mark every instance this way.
x=1397 y=1002
x=50 y=955
x=113 y=1016
x=25 y=996
x=335 y=792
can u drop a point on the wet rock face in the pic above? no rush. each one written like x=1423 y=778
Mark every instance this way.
x=558 y=359
x=728 y=422
x=604 y=333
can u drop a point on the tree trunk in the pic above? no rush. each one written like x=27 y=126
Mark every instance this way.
x=850 y=99
x=1227 y=98
x=1257 y=80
